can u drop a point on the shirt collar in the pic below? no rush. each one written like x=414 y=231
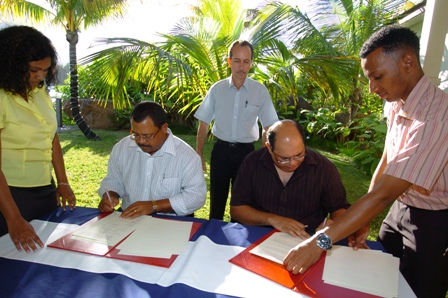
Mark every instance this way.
x=169 y=146
x=245 y=84
x=33 y=92
x=412 y=106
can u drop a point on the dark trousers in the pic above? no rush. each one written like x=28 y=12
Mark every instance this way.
x=224 y=164
x=419 y=238
x=33 y=202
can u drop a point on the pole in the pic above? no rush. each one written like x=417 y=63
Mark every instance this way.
x=59 y=112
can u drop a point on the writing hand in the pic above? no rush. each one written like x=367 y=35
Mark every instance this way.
x=358 y=239
x=327 y=222
x=108 y=205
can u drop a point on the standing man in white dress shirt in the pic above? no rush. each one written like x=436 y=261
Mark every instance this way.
x=152 y=170
x=236 y=104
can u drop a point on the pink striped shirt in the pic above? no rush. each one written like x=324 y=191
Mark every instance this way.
x=417 y=145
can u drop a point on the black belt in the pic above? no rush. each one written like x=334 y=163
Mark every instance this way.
x=233 y=144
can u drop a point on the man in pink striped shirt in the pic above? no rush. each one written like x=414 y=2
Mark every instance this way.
x=412 y=174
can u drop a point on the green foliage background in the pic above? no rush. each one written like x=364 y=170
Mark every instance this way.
x=86 y=164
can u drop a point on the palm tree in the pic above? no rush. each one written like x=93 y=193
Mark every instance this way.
x=178 y=71
x=72 y=15
x=325 y=51
x=292 y=53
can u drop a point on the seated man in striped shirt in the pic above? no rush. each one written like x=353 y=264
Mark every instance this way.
x=152 y=170
x=287 y=186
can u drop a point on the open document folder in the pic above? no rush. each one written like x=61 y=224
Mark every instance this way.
x=265 y=257
x=145 y=239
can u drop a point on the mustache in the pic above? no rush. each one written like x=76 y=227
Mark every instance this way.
x=144 y=145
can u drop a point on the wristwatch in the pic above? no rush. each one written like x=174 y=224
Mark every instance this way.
x=154 y=207
x=323 y=241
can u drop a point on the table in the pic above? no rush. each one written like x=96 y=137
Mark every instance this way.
x=21 y=278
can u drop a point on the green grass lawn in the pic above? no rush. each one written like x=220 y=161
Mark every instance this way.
x=86 y=164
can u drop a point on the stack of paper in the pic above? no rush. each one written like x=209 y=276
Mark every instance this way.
x=157 y=238
x=364 y=270
x=276 y=247
x=109 y=230
x=149 y=236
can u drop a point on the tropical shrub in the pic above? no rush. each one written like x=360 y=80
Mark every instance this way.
x=367 y=134
x=367 y=147
x=322 y=124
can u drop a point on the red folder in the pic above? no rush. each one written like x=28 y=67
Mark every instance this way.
x=66 y=242
x=310 y=283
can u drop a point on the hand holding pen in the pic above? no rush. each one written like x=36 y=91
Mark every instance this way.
x=109 y=204
x=325 y=223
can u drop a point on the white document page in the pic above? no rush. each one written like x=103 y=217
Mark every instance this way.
x=276 y=247
x=364 y=270
x=204 y=266
x=158 y=238
x=109 y=230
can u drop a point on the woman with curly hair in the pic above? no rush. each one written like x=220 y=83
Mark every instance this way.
x=29 y=144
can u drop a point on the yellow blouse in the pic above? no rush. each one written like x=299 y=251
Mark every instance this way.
x=27 y=132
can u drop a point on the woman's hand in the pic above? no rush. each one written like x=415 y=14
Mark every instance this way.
x=65 y=192
x=23 y=235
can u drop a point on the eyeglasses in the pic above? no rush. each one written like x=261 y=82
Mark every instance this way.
x=135 y=136
x=284 y=161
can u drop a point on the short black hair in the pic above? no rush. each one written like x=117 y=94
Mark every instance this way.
x=272 y=133
x=151 y=109
x=243 y=43
x=391 y=38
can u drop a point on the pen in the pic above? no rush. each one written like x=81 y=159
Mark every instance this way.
x=110 y=200
x=246 y=104
x=446 y=251
x=325 y=221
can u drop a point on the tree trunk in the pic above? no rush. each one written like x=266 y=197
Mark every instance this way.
x=72 y=38
x=355 y=102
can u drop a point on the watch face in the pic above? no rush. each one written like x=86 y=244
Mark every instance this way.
x=323 y=241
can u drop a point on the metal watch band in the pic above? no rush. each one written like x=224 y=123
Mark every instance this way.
x=324 y=241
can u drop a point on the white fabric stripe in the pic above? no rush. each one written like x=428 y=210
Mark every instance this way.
x=207 y=268
x=50 y=231
x=216 y=274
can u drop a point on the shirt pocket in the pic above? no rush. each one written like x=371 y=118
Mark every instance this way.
x=168 y=188
x=250 y=112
